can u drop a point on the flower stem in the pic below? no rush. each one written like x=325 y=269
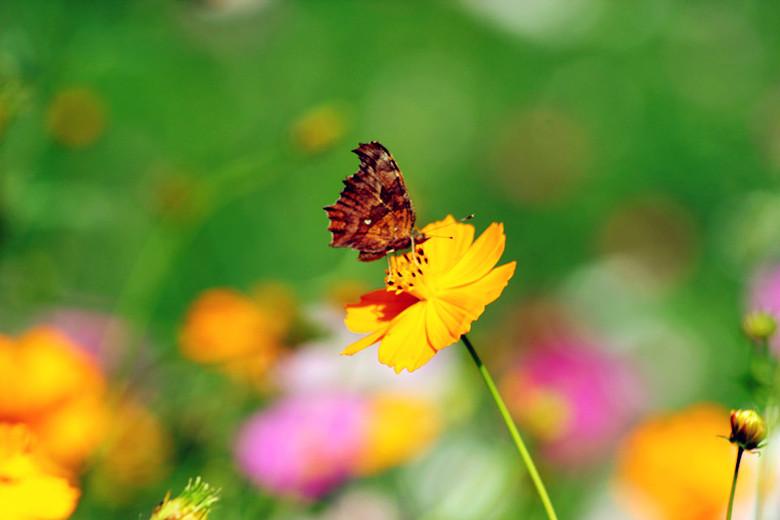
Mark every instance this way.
x=510 y=424
x=734 y=482
x=770 y=414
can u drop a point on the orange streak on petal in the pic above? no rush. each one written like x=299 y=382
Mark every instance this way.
x=479 y=259
x=376 y=309
x=406 y=344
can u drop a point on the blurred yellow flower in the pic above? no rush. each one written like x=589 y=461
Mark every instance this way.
x=77 y=117
x=226 y=328
x=53 y=386
x=28 y=488
x=136 y=452
x=432 y=294
x=676 y=467
x=319 y=128
x=398 y=427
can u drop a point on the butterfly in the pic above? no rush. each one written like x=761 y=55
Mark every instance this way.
x=374 y=213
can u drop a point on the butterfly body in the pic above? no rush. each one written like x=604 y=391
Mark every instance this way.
x=374 y=213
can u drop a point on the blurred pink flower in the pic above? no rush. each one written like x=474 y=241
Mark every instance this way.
x=765 y=290
x=574 y=398
x=101 y=335
x=765 y=294
x=303 y=447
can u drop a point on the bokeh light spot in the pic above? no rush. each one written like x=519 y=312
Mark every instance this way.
x=77 y=117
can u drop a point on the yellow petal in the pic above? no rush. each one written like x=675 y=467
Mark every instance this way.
x=470 y=300
x=406 y=344
x=488 y=288
x=458 y=308
x=449 y=241
x=479 y=259
x=376 y=309
x=29 y=489
x=365 y=342
x=451 y=318
x=41 y=497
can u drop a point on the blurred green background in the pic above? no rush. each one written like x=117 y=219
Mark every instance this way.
x=150 y=150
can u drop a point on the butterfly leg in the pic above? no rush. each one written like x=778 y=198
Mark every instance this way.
x=414 y=253
x=389 y=263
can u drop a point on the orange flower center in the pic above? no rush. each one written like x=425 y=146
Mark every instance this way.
x=406 y=272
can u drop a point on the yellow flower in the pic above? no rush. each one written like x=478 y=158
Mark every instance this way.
x=398 y=427
x=28 y=489
x=432 y=295
x=49 y=383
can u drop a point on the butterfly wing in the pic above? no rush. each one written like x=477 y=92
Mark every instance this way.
x=374 y=213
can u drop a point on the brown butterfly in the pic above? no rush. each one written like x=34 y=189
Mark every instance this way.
x=374 y=213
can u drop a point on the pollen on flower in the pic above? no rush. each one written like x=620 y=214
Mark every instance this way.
x=404 y=269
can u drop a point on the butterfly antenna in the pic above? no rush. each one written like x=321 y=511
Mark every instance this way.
x=427 y=235
x=468 y=217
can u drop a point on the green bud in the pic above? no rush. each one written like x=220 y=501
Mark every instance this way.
x=194 y=503
x=759 y=325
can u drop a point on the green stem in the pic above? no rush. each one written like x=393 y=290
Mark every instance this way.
x=740 y=450
x=510 y=424
x=770 y=413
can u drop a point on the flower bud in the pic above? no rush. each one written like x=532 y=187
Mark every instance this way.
x=194 y=503
x=759 y=325
x=748 y=429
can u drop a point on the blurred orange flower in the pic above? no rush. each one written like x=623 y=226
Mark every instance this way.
x=432 y=294
x=677 y=466
x=229 y=329
x=53 y=386
x=29 y=490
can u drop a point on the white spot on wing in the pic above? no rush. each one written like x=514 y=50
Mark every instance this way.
x=367 y=221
